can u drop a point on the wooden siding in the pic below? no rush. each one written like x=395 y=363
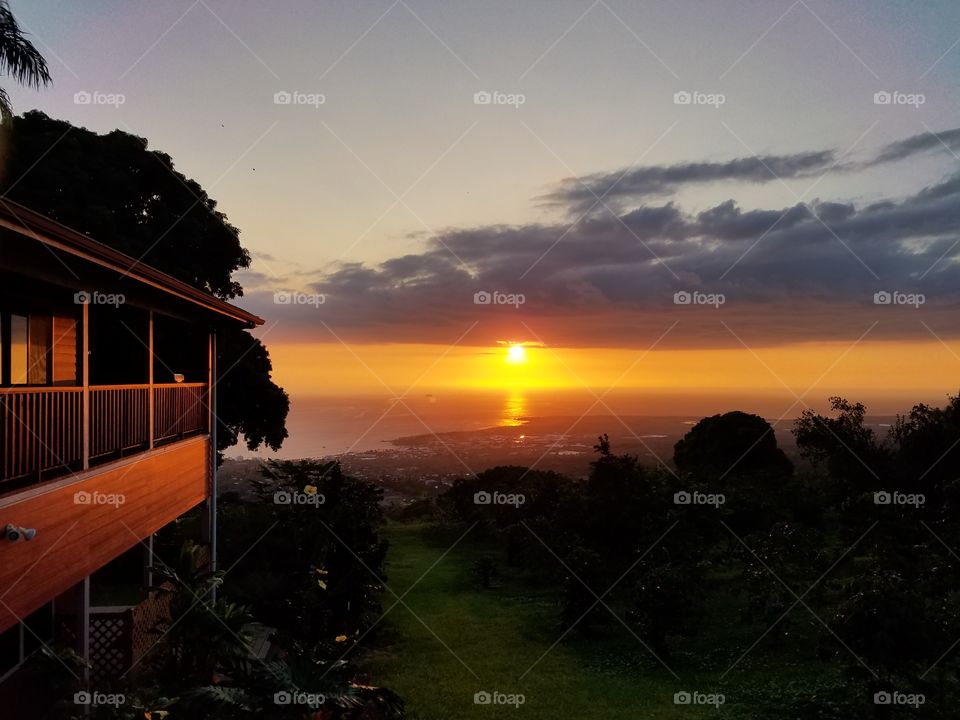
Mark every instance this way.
x=64 y=351
x=76 y=538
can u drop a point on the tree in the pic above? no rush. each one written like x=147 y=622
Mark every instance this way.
x=736 y=455
x=115 y=189
x=844 y=445
x=18 y=58
x=319 y=562
x=736 y=443
x=248 y=401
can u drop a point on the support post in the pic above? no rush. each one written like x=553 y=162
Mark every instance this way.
x=210 y=507
x=83 y=626
x=148 y=562
x=150 y=399
x=214 y=484
x=86 y=383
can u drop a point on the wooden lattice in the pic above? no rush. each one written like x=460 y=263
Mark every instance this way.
x=120 y=639
x=109 y=644
x=145 y=619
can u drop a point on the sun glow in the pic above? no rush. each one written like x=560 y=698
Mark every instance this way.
x=516 y=354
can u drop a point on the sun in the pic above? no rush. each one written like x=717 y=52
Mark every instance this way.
x=516 y=354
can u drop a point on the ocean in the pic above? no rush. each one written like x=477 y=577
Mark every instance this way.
x=324 y=426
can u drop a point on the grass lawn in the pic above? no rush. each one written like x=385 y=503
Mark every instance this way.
x=500 y=635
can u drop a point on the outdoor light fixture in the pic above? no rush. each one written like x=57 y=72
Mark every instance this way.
x=178 y=377
x=14 y=533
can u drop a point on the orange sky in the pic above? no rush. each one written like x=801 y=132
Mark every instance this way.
x=865 y=371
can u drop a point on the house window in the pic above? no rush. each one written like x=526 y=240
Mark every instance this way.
x=18 y=350
x=29 y=348
x=39 y=344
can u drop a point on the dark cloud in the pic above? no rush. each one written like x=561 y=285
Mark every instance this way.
x=616 y=188
x=920 y=143
x=806 y=272
x=621 y=188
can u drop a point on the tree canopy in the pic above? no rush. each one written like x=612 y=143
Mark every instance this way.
x=117 y=190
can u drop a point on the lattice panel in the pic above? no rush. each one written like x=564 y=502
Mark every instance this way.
x=110 y=654
x=146 y=617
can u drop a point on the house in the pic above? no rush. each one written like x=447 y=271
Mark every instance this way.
x=107 y=401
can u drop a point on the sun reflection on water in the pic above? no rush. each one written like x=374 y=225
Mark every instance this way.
x=514 y=411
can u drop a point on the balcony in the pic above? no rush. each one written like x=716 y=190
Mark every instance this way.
x=51 y=431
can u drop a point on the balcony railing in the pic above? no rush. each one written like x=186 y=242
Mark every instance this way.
x=42 y=428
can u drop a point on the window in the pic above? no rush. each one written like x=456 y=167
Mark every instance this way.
x=40 y=343
x=18 y=350
x=30 y=348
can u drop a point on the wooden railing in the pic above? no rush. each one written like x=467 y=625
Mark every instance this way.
x=119 y=418
x=179 y=409
x=42 y=428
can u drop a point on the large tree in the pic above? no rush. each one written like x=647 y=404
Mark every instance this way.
x=118 y=191
x=18 y=58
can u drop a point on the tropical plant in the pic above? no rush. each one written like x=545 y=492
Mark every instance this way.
x=18 y=58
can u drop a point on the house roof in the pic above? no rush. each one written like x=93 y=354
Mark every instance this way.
x=45 y=230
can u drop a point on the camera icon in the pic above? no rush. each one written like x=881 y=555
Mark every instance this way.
x=282 y=298
x=482 y=98
x=682 y=698
x=882 y=698
x=882 y=498
x=282 y=698
x=282 y=497
x=682 y=298
x=882 y=298
x=482 y=298
x=682 y=498
x=81 y=298
x=882 y=98
x=282 y=98
x=82 y=698
x=682 y=98
x=482 y=698
x=82 y=497
x=482 y=498
x=82 y=98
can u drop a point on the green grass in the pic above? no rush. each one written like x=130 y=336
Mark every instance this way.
x=500 y=635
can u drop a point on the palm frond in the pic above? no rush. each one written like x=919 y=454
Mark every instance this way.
x=6 y=108
x=18 y=56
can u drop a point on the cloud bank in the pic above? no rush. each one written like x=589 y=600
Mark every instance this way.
x=619 y=278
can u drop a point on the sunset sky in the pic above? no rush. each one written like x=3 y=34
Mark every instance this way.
x=783 y=197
